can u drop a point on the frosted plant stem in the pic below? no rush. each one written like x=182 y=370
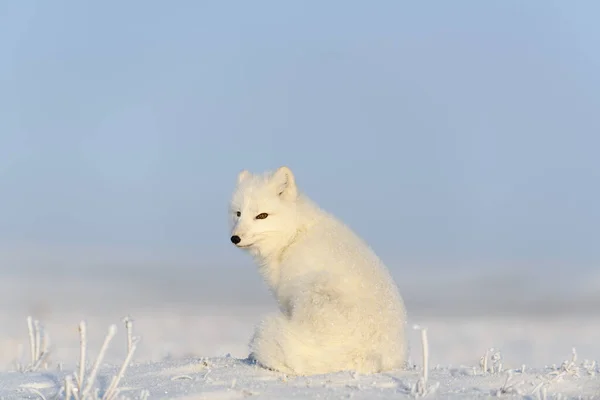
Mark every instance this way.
x=425 y=345
x=112 y=389
x=39 y=362
x=112 y=330
x=38 y=341
x=83 y=345
x=67 y=389
x=46 y=351
x=18 y=365
x=69 y=385
x=485 y=361
x=420 y=388
x=31 y=339
x=129 y=327
x=38 y=393
x=45 y=345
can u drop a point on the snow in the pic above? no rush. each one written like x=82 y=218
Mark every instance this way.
x=196 y=349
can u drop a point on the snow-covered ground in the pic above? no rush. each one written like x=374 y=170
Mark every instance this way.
x=194 y=345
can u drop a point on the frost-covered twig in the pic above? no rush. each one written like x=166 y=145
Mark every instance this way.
x=420 y=388
x=567 y=368
x=38 y=339
x=508 y=387
x=129 y=329
x=38 y=346
x=495 y=358
x=112 y=330
x=112 y=390
x=589 y=367
x=496 y=363
x=35 y=391
x=82 y=348
x=483 y=362
x=31 y=339
x=68 y=387
x=82 y=388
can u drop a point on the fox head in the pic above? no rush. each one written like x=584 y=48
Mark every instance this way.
x=263 y=211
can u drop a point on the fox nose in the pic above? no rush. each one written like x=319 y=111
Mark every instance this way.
x=235 y=239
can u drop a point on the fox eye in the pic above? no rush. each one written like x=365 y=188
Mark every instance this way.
x=262 y=216
x=239 y=214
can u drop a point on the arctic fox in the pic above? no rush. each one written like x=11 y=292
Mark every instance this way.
x=340 y=310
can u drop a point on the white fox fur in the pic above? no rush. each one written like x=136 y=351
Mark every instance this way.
x=339 y=307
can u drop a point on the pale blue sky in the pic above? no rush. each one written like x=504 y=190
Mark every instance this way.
x=443 y=132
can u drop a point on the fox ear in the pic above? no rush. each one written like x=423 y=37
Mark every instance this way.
x=285 y=183
x=243 y=176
